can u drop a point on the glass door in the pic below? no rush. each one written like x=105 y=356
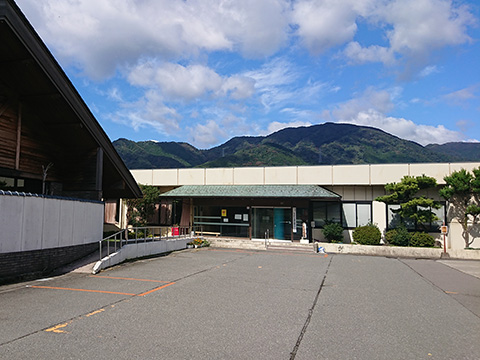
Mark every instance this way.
x=276 y=222
x=262 y=222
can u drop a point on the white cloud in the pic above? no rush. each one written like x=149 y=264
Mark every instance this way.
x=405 y=129
x=380 y=100
x=273 y=82
x=115 y=94
x=420 y=26
x=205 y=135
x=276 y=126
x=257 y=28
x=279 y=83
x=412 y=28
x=177 y=82
x=239 y=87
x=370 y=109
x=358 y=54
x=323 y=24
x=428 y=70
x=101 y=36
x=149 y=112
x=461 y=96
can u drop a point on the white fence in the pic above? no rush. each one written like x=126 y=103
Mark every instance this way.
x=33 y=222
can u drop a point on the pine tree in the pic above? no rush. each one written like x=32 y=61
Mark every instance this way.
x=412 y=206
x=462 y=190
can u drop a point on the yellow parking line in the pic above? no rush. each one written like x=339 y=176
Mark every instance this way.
x=158 y=288
x=95 y=312
x=56 y=328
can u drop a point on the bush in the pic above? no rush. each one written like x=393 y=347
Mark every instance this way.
x=398 y=237
x=367 y=235
x=390 y=236
x=421 y=239
x=333 y=232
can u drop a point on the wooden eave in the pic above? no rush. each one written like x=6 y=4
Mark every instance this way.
x=30 y=74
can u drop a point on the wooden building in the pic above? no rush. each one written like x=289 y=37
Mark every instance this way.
x=44 y=121
x=50 y=145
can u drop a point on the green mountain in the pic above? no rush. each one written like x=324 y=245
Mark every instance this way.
x=324 y=144
x=156 y=155
x=460 y=150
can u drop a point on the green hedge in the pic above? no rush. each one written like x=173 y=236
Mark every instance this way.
x=367 y=235
x=401 y=237
x=420 y=239
x=398 y=237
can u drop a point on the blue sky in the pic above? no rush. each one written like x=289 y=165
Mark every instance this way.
x=205 y=71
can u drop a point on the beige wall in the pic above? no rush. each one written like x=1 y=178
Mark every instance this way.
x=351 y=182
x=354 y=175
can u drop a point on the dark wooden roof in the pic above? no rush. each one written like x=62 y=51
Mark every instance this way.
x=30 y=74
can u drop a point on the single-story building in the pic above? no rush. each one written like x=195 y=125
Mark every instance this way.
x=294 y=202
x=57 y=165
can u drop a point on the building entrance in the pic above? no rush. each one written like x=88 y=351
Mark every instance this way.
x=275 y=223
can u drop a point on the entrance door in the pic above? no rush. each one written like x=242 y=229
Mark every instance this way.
x=276 y=221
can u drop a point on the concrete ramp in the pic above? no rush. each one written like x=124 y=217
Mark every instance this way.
x=138 y=250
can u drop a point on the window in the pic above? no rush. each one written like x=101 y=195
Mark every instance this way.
x=225 y=220
x=356 y=214
x=394 y=219
x=19 y=184
x=326 y=211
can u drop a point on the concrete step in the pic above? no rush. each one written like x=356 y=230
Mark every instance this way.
x=260 y=245
x=294 y=248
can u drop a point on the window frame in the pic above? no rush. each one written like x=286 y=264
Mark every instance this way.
x=327 y=217
x=356 y=203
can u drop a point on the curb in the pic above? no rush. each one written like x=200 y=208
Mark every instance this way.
x=371 y=250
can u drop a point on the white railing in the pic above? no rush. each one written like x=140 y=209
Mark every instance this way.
x=136 y=235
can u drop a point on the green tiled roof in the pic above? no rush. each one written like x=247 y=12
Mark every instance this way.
x=251 y=191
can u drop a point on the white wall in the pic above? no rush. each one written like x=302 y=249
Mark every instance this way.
x=35 y=223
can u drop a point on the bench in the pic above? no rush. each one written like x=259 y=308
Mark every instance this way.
x=207 y=233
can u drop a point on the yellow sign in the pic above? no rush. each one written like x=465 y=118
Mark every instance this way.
x=444 y=229
x=224 y=212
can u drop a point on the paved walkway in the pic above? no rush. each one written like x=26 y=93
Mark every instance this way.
x=243 y=304
x=469 y=267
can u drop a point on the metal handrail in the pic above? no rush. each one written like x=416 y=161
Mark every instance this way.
x=144 y=234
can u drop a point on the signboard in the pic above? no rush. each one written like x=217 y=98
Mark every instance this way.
x=224 y=212
x=444 y=229
x=294 y=219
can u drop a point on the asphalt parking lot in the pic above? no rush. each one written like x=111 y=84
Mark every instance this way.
x=236 y=304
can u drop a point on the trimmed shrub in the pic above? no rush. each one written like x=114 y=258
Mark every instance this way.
x=367 y=235
x=398 y=237
x=333 y=232
x=390 y=236
x=421 y=239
